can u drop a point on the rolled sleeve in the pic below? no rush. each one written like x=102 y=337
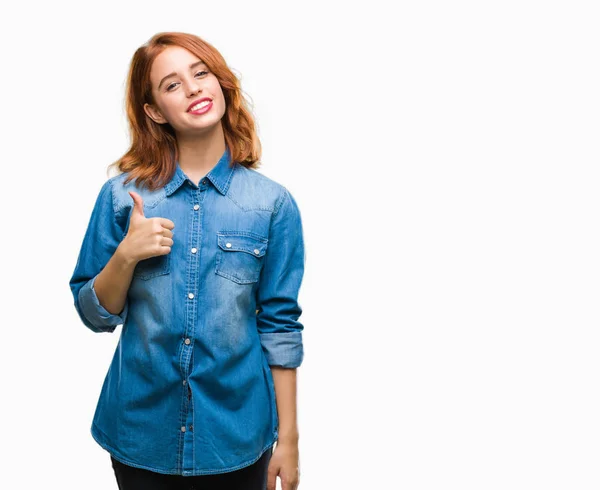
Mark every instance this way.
x=278 y=314
x=99 y=319
x=103 y=235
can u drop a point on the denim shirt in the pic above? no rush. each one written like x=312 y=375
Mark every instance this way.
x=189 y=390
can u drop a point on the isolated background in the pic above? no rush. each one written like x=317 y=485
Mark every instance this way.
x=444 y=156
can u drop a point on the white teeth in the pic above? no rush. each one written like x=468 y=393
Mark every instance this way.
x=200 y=105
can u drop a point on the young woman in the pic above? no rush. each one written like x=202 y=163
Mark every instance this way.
x=201 y=259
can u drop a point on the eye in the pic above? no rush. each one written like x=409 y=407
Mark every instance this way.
x=171 y=85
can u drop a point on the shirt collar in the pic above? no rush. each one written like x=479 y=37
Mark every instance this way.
x=220 y=175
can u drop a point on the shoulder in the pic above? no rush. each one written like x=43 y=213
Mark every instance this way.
x=250 y=188
x=120 y=192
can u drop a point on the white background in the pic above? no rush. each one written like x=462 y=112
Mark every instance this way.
x=444 y=156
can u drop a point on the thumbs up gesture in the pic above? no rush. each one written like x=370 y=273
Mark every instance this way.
x=147 y=237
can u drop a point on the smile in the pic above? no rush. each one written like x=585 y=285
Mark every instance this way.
x=201 y=108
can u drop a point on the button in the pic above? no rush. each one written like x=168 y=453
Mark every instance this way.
x=228 y=245
x=194 y=250
x=196 y=207
x=183 y=428
x=191 y=427
x=204 y=181
x=191 y=295
x=184 y=382
x=256 y=251
x=187 y=341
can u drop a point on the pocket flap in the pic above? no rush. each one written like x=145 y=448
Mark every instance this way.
x=237 y=242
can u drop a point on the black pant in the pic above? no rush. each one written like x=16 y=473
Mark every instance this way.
x=253 y=477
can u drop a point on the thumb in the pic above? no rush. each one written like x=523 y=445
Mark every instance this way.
x=138 y=204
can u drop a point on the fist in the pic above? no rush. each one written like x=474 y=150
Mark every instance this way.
x=147 y=237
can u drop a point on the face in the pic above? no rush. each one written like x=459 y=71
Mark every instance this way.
x=173 y=94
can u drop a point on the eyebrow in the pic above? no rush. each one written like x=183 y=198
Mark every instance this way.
x=192 y=66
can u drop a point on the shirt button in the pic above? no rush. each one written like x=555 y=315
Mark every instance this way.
x=187 y=341
x=228 y=245
x=191 y=295
x=204 y=181
x=183 y=428
x=196 y=207
x=256 y=251
x=194 y=250
x=184 y=382
x=191 y=427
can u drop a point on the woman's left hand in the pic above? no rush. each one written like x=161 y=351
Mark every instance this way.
x=285 y=463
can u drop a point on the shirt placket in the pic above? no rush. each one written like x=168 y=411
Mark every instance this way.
x=192 y=280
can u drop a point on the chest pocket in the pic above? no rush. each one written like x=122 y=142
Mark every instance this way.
x=158 y=265
x=240 y=256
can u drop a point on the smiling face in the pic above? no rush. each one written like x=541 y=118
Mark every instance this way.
x=179 y=79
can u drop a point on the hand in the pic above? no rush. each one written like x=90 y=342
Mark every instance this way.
x=285 y=463
x=146 y=237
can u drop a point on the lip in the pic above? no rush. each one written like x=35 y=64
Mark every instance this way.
x=198 y=101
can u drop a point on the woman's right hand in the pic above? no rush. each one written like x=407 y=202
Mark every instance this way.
x=146 y=237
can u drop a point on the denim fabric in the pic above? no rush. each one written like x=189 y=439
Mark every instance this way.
x=189 y=390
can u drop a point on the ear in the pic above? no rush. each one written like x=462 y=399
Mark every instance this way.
x=154 y=114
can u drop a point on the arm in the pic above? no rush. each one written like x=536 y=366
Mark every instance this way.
x=278 y=326
x=279 y=310
x=285 y=461
x=112 y=283
x=103 y=271
x=285 y=393
x=281 y=332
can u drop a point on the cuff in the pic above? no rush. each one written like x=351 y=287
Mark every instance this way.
x=95 y=313
x=283 y=349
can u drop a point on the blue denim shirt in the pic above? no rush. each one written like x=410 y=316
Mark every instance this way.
x=189 y=390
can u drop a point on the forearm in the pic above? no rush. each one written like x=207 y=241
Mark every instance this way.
x=113 y=281
x=285 y=394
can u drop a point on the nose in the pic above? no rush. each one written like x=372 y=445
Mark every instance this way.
x=190 y=86
x=194 y=87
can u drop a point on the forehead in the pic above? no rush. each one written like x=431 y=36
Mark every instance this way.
x=172 y=59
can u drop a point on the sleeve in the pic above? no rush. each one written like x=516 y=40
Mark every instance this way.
x=278 y=309
x=100 y=241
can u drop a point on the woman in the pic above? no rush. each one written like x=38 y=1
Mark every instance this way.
x=201 y=259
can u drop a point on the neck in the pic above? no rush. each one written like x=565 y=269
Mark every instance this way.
x=199 y=153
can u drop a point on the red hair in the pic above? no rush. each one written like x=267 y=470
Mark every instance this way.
x=153 y=152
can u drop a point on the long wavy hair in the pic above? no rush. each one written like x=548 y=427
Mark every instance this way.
x=152 y=157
